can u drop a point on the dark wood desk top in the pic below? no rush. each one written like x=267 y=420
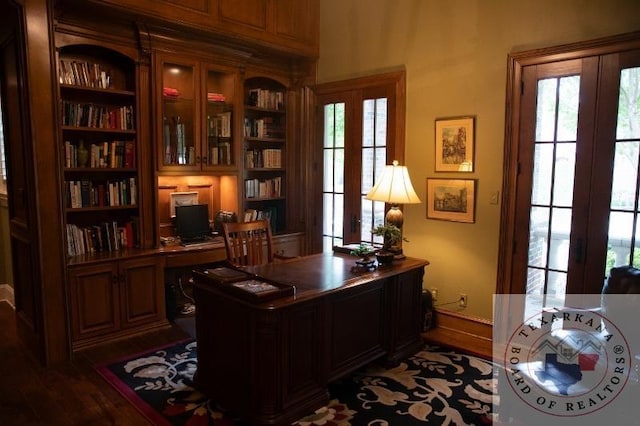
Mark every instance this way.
x=323 y=273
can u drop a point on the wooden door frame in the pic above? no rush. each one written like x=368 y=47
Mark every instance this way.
x=42 y=326
x=516 y=62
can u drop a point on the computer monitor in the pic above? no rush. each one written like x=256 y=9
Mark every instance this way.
x=192 y=222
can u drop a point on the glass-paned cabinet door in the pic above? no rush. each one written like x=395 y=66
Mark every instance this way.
x=179 y=112
x=218 y=141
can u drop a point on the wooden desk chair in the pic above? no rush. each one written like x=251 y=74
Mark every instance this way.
x=248 y=243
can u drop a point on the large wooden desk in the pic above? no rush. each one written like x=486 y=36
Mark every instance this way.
x=270 y=363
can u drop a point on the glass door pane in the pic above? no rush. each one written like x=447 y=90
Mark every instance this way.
x=333 y=171
x=622 y=246
x=552 y=190
x=219 y=146
x=374 y=158
x=178 y=114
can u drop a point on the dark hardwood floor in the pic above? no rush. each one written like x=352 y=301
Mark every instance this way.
x=69 y=394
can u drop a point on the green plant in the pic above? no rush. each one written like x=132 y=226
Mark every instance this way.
x=391 y=235
x=362 y=250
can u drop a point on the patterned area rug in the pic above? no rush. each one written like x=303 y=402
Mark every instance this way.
x=433 y=386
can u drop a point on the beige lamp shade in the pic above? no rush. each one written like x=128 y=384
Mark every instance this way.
x=394 y=186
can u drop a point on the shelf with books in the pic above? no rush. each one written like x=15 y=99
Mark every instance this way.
x=102 y=155
x=219 y=134
x=99 y=149
x=264 y=151
x=102 y=237
x=264 y=159
x=83 y=193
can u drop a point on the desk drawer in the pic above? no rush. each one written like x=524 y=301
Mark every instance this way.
x=193 y=257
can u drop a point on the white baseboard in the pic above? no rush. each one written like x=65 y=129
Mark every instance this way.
x=6 y=294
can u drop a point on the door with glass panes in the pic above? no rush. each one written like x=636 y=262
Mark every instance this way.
x=573 y=212
x=358 y=135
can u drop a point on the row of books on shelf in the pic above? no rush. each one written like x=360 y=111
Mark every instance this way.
x=220 y=152
x=219 y=124
x=105 y=237
x=84 y=73
x=265 y=98
x=263 y=188
x=266 y=127
x=97 y=116
x=269 y=158
x=108 y=154
x=270 y=214
x=86 y=193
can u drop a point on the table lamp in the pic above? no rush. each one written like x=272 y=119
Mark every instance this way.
x=394 y=187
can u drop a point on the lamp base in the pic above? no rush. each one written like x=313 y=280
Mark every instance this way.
x=394 y=217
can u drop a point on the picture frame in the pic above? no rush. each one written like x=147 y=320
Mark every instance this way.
x=455 y=144
x=181 y=199
x=451 y=199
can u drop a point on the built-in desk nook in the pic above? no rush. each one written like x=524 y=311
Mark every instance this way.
x=270 y=360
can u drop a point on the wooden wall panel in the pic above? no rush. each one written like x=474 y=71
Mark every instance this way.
x=252 y=13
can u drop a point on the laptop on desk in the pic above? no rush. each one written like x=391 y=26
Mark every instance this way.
x=192 y=224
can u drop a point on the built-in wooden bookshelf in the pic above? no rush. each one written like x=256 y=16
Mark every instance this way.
x=265 y=136
x=99 y=149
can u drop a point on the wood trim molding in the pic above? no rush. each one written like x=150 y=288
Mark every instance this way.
x=470 y=334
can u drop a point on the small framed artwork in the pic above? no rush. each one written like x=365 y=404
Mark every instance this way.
x=451 y=199
x=181 y=199
x=455 y=144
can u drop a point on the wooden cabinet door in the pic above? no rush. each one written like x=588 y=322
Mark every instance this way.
x=357 y=328
x=301 y=353
x=252 y=14
x=197 y=12
x=404 y=299
x=298 y=20
x=142 y=291
x=178 y=112
x=94 y=295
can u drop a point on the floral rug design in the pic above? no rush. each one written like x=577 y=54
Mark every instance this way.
x=433 y=386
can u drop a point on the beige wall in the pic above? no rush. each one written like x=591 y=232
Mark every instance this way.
x=455 y=56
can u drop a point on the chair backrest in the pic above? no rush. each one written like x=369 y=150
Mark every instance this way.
x=248 y=243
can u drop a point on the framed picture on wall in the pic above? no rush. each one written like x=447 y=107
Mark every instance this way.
x=181 y=199
x=455 y=144
x=451 y=199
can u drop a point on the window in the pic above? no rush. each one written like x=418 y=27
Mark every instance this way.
x=572 y=170
x=359 y=135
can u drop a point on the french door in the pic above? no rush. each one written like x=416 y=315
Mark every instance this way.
x=359 y=132
x=572 y=162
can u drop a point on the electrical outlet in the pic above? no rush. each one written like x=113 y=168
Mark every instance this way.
x=434 y=294
x=463 y=300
